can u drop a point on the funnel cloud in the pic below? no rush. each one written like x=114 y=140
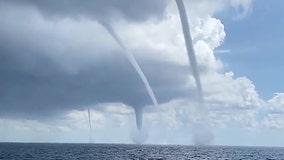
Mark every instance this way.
x=189 y=46
x=91 y=140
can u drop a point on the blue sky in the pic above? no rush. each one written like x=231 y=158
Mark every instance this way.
x=256 y=44
x=256 y=51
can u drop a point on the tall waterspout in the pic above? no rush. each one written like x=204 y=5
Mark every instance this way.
x=131 y=58
x=202 y=134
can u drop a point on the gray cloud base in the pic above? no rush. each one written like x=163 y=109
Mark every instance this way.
x=134 y=10
x=111 y=79
x=35 y=83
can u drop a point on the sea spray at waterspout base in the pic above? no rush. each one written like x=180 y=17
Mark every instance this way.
x=202 y=133
x=131 y=58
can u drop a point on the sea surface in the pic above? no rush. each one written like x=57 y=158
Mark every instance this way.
x=26 y=151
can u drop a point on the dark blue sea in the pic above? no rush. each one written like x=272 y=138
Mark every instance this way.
x=26 y=151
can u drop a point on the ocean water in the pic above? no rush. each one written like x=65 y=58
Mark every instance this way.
x=25 y=151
